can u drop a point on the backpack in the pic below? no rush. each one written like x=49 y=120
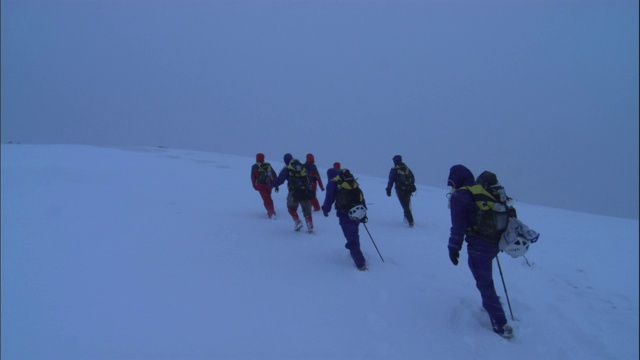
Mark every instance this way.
x=264 y=173
x=492 y=208
x=312 y=171
x=349 y=193
x=403 y=179
x=491 y=216
x=299 y=183
x=517 y=238
x=489 y=181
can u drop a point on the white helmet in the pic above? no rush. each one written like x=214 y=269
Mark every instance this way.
x=358 y=212
x=517 y=248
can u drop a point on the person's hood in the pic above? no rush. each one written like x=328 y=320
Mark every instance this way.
x=259 y=157
x=336 y=165
x=310 y=158
x=287 y=158
x=460 y=176
x=397 y=159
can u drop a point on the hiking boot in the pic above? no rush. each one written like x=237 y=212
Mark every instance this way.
x=506 y=332
x=309 y=222
x=362 y=268
x=298 y=226
x=410 y=224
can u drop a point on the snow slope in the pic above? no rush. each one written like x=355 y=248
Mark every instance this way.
x=155 y=253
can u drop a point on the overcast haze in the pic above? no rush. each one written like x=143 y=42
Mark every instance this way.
x=544 y=93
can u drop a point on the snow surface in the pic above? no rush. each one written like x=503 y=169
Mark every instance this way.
x=156 y=253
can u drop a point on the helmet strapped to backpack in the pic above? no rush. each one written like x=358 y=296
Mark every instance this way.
x=517 y=248
x=517 y=238
x=358 y=212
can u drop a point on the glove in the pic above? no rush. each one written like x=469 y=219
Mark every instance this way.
x=255 y=187
x=322 y=188
x=454 y=255
x=326 y=214
x=388 y=192
x=277 y=189
x=364 y=220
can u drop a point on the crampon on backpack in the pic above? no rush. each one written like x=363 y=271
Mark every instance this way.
x=349 y=193
x=264 y=173
x=299 y=183
x=404 y=180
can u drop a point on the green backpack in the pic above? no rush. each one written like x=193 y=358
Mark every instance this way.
x=299 y=183
x=349 y=193
x=403 y=179
x=492 y=214
x=264 y=173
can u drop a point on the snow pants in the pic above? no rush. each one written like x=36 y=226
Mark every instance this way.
x=405 y=202
x=292 y=206
x=315 y=204
x=350 y=230
x=481 y=255
x=265 y=194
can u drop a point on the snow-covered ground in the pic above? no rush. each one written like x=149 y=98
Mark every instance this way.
x=155 y=253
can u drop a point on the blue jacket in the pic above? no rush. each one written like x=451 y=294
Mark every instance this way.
x=463 y=208
x=393 y=175
x=282 y=177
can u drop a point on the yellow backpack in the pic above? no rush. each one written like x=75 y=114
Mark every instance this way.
x=492 y=214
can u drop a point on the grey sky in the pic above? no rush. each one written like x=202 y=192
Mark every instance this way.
x=544 y=93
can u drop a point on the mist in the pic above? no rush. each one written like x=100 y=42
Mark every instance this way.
x=543 y=93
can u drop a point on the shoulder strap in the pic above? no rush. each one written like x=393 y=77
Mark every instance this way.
x=483 y=199
x=348 y=185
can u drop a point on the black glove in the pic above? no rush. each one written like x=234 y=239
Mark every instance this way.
x=388 y=192
x=454 y=255
x=277 y=189
x=364 y=220
x=326 y=214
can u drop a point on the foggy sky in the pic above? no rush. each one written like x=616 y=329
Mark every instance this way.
x=544 y=93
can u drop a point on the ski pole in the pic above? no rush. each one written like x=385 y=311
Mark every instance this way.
x=374 y=243
x=505 y=288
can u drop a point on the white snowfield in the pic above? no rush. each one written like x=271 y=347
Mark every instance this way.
x=155 y=253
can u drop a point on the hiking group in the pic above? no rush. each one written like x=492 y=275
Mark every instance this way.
x=482 y=215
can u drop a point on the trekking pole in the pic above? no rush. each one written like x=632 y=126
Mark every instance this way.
x=374 y=243
x=505 y=288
